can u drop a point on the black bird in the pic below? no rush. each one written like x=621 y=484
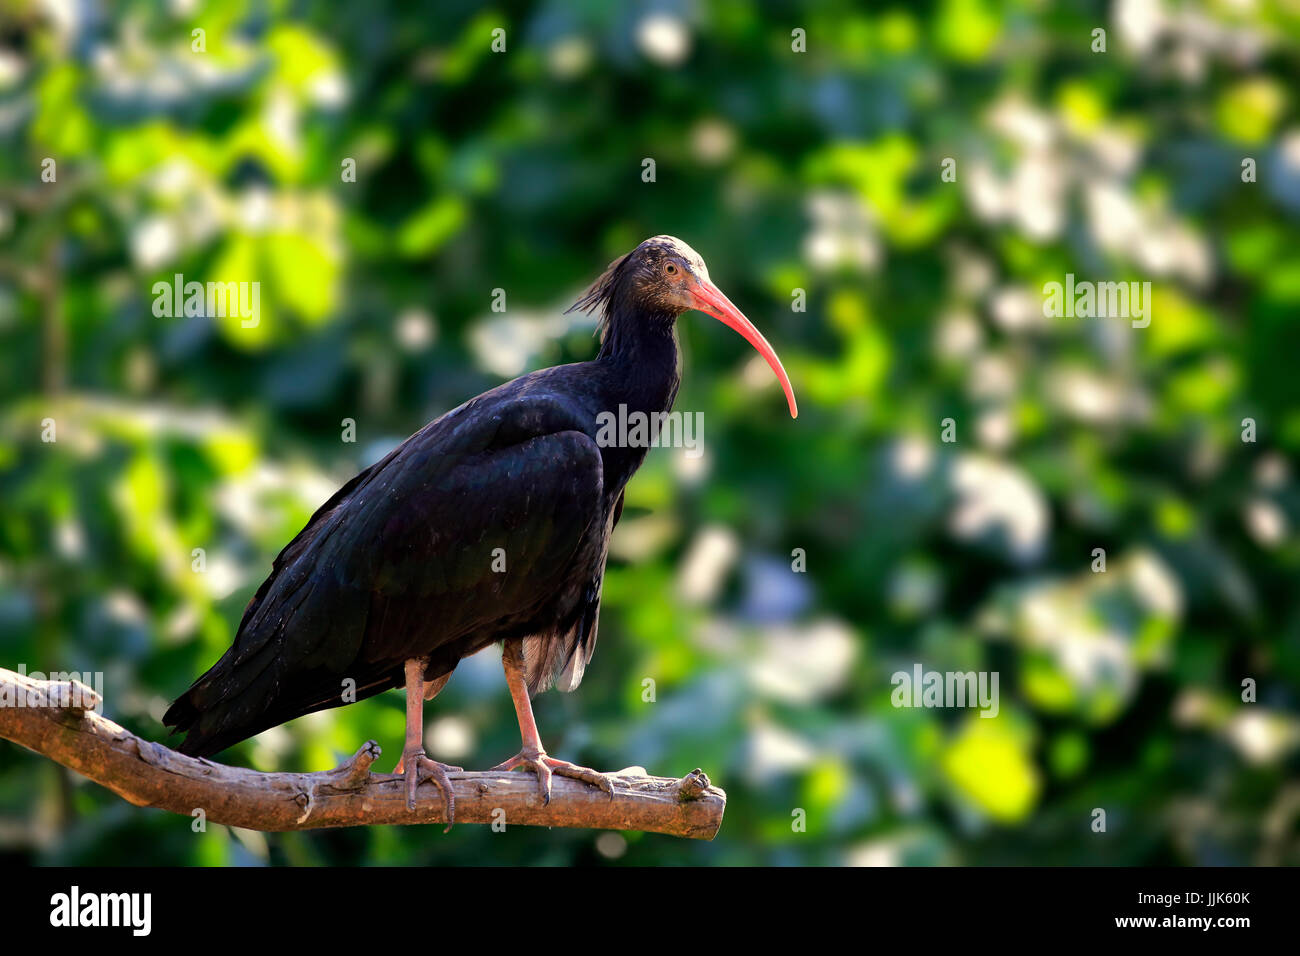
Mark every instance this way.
x=490 y=524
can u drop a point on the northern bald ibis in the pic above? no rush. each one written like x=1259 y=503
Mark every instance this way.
x=392 y=581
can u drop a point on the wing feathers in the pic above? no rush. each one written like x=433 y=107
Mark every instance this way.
x=407 y=558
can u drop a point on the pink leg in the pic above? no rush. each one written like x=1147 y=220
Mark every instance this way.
x=533 y=756
x=414 y=765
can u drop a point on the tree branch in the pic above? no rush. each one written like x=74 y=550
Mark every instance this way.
x=57 y=719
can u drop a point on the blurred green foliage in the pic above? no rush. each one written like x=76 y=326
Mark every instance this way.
x=819 y=170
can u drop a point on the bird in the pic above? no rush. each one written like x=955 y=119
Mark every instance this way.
x=489 y=525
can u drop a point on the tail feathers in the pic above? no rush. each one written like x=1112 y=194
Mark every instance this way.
x=225 y=706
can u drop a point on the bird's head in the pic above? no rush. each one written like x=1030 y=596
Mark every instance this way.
x=659 y=280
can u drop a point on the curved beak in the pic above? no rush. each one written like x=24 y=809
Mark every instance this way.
x=709 y=298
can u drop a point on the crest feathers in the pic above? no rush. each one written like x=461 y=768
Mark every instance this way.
x=601 y=292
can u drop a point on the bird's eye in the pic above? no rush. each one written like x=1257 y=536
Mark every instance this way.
x=670 y=269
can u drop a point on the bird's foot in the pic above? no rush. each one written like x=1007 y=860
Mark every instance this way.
x=544 y=766
x=416 y=767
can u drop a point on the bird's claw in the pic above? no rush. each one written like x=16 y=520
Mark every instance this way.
x=545 y=766
x=416 y=767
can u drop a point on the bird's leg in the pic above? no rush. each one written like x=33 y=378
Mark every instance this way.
x=533 y=756
x=415 y=765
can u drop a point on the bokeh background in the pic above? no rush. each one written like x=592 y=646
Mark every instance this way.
x=819 y=170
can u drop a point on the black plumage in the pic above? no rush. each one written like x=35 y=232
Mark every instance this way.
x=402 y=563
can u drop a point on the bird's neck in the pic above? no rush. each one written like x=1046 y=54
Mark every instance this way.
x=640 y=370
x=641 y=362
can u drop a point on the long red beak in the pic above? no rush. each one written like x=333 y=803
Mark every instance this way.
x=709 y=298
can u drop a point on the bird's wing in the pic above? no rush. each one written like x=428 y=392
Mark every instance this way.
x=573 y=655
x=471 y=522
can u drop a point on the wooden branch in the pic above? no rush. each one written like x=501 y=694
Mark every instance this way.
x=58 y=720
